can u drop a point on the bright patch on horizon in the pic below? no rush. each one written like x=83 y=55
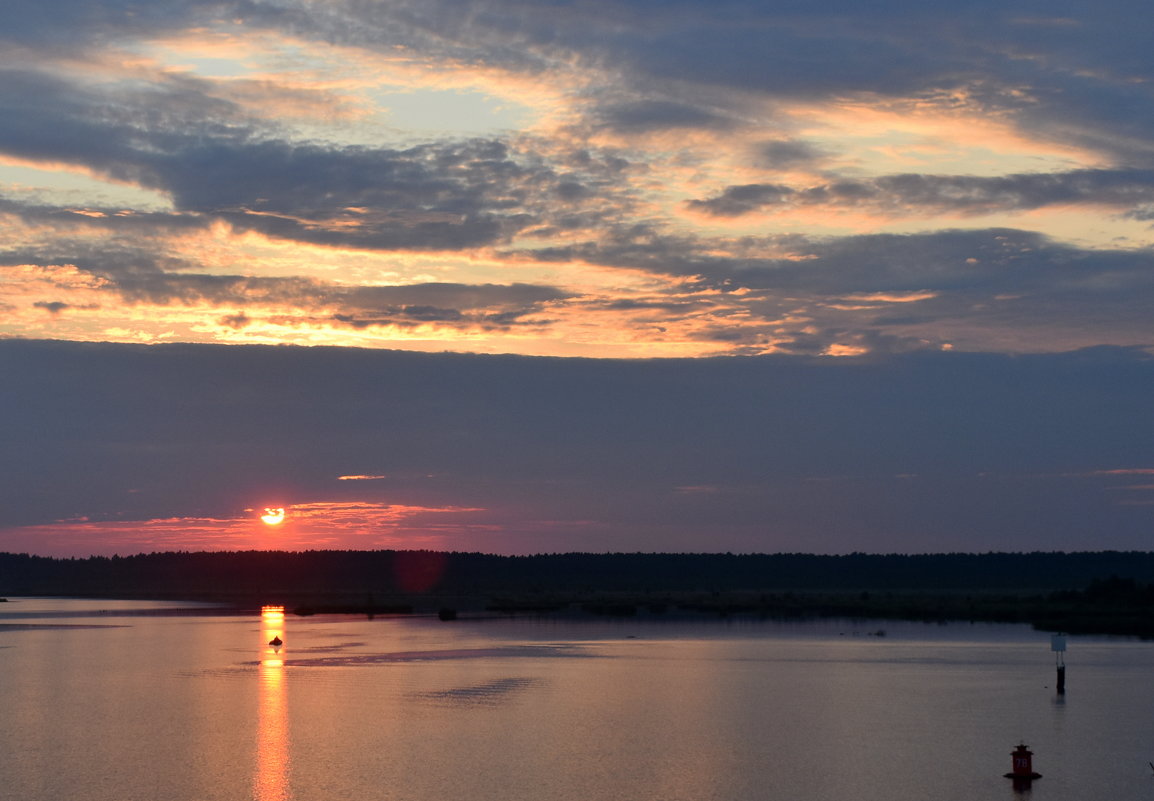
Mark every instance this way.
x=273 y=516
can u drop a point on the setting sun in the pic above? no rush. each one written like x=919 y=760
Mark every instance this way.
x=273 y=517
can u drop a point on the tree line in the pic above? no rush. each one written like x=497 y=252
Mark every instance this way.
x=399 y=574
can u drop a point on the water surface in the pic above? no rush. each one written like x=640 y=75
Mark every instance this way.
x=111 y=701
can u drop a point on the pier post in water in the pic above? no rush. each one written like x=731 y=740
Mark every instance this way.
x=1058 y=646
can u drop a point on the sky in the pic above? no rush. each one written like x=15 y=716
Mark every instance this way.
x=524 y=277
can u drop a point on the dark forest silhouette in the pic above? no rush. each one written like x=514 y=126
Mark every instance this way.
x=403 y=572
x=1103 y=591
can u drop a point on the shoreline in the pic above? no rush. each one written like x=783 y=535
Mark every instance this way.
x=1044 y=613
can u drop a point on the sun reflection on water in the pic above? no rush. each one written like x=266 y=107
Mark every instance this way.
x=271 y=780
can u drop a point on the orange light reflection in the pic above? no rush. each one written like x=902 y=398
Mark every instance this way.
x=271 y=779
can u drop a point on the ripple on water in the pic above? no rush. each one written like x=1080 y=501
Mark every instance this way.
x=488 y=694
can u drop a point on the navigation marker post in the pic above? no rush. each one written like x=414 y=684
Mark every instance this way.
x=1058 y=646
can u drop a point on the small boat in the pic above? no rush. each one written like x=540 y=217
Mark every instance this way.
x=276 y=642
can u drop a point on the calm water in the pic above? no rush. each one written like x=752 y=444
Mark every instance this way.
x=104 y=703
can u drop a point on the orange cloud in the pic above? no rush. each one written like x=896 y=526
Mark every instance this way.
x=343 y=525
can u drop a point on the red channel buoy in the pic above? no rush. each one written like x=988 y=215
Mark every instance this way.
x=1023 y=761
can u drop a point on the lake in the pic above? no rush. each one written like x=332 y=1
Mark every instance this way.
x=119 y=701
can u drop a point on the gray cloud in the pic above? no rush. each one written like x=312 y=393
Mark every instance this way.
x=179 y=135
x=55 y=306
x=113 y=258
x=202 y=152
x=994 y=289
x=493 y=305
x=682 y=68
x=933 y=194
x=803 y=452
x=785 y=154
x=1074 y=74
x=735 y=201
x=67 y=24
x=796 y=448
x=656 y=115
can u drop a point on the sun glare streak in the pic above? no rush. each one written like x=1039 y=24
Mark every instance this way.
x=271 y=778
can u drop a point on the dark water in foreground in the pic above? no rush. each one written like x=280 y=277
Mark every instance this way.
x=109 y=706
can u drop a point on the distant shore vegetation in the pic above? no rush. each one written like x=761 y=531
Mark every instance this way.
x=1105 y=592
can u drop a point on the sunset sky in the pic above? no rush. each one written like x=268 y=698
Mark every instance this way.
x=630 y=275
